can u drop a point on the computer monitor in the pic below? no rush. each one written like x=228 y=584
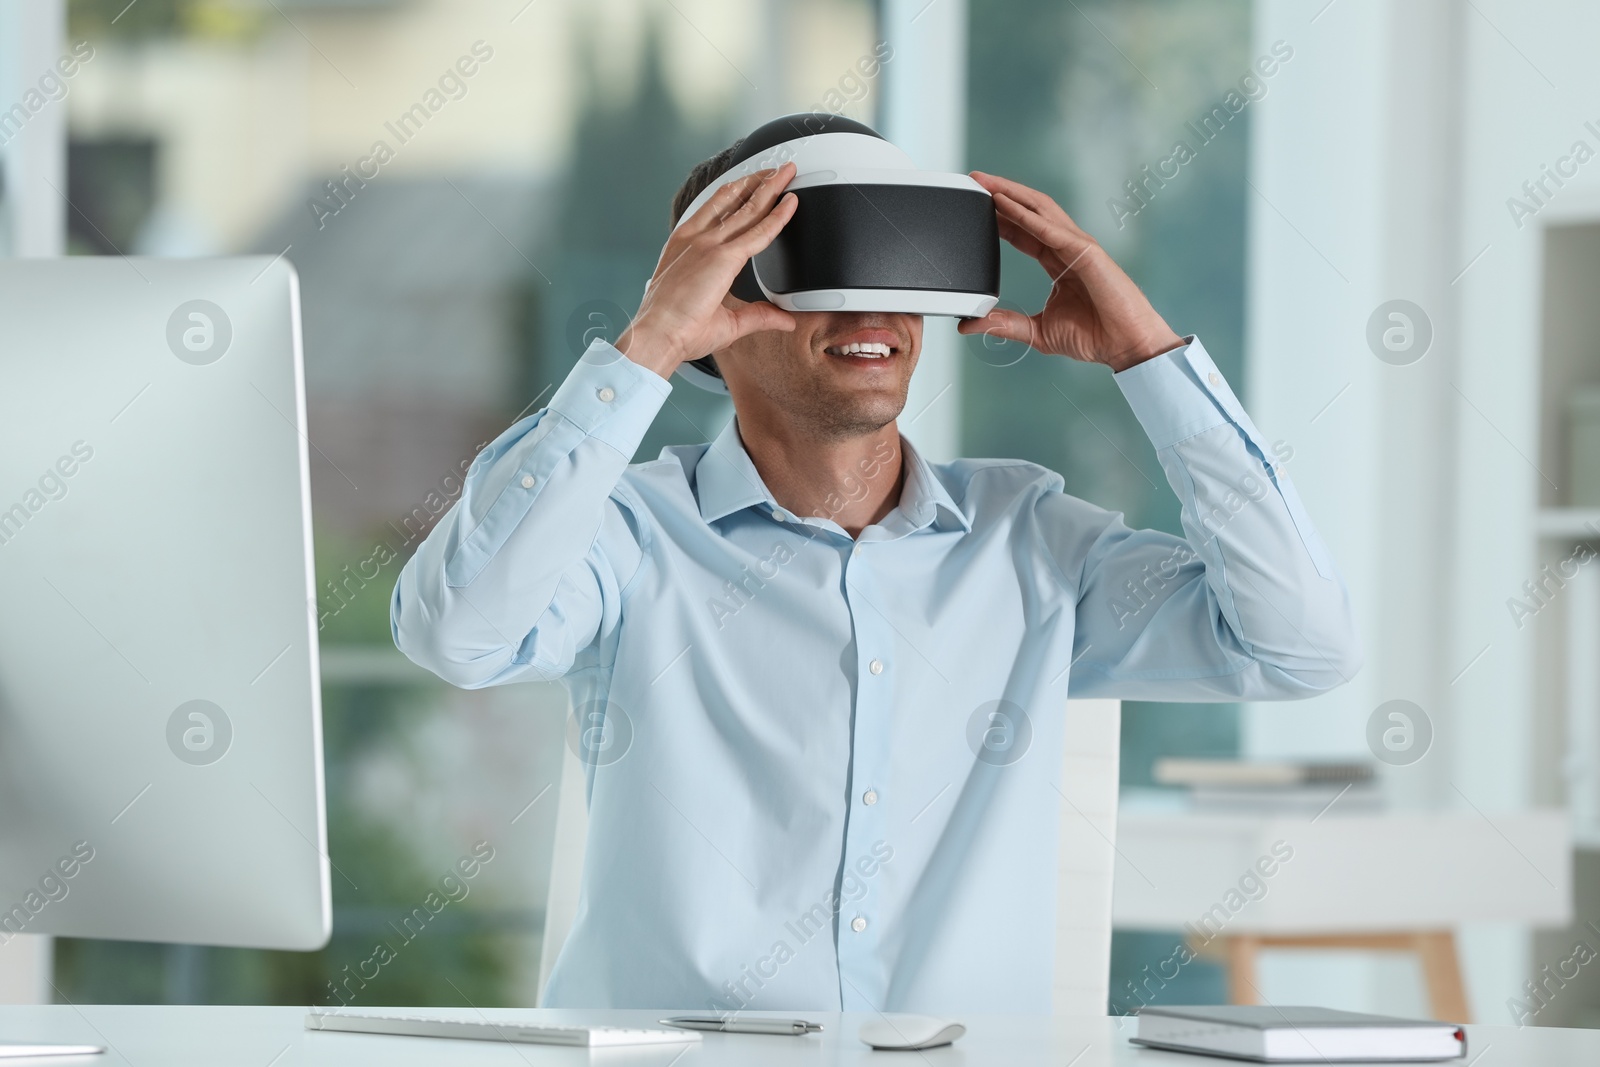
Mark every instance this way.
x=160 y=727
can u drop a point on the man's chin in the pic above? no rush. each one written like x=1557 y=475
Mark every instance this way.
x=854 y=415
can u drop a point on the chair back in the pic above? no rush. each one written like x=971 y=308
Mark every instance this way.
x=1085 y=847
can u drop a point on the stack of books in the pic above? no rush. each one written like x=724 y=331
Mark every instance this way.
x=1273 y=786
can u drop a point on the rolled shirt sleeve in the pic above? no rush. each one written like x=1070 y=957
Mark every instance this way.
x=1248 y=604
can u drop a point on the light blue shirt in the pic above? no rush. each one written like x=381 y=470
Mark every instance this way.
x=821 y=771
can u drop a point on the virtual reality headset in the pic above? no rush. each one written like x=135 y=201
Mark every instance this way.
x=870 y=232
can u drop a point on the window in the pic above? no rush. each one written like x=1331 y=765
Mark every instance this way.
x=1087 y=106
x=450 y=278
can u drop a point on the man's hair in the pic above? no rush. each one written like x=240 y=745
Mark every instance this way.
x=700 y=177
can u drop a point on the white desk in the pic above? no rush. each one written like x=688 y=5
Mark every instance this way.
x=1380 y=880
x=259 y=1037
x=1355 y=873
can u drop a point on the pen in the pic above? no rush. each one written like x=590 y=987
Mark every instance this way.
x=792 y=1027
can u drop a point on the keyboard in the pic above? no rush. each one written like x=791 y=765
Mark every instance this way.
x=430 y=1026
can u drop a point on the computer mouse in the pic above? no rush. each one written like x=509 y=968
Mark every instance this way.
x=910 y=1031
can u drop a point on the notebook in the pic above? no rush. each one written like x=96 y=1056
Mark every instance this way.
x=1298 y=1034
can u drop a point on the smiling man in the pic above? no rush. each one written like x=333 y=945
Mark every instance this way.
x=828 y=677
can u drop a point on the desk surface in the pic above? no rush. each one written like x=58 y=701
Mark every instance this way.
x=275 y=1037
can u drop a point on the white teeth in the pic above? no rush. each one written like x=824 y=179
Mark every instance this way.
x=871 y=349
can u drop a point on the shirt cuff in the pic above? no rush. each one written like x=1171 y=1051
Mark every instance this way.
x=610 y=397
x=1178 y=394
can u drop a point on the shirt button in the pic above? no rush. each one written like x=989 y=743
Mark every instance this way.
x=606 y=394
x=858 y=924
x=1214 y=378
x=527 y=481
x=876 y=666
x=856 y=551
x=869 y=797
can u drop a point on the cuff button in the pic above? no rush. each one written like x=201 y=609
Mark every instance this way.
x=606 y=394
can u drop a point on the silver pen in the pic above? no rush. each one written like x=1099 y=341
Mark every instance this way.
x=730 y=1025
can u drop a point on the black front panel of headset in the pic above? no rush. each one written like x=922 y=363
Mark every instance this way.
x=885 y=237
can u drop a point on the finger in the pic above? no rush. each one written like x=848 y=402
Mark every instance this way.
x=1032 y=199
x=1057 y=233
x=1003 y=323
x=1030 y=245
x=755 y=316
x=756 y=199
x=722 y=202
x=759 y=202
x=760 y=234
x=1097 y=271
x=1056 y=224
x=1022 y=194
x=676 y=248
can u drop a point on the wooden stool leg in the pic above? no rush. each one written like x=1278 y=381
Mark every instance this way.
x=1241 y=953
x=1441 y=972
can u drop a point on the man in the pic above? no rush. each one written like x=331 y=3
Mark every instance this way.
x=832 y=676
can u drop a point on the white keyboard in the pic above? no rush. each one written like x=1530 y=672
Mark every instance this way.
x=428 y=1026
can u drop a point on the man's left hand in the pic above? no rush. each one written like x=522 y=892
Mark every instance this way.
x=1094 y=312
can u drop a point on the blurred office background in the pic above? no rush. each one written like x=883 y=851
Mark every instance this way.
x=1341 y=155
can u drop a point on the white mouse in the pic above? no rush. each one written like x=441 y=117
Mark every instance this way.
x=910 y=1031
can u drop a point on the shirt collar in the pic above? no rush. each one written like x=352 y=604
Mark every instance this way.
x=726 y=481
x=924 y=497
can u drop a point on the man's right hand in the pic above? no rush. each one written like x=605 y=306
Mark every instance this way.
x=687 y=310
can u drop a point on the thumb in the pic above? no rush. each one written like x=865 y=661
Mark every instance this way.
x=760 y=315
x=1003 y=323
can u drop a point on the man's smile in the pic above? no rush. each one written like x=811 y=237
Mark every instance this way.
x=871 y=347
